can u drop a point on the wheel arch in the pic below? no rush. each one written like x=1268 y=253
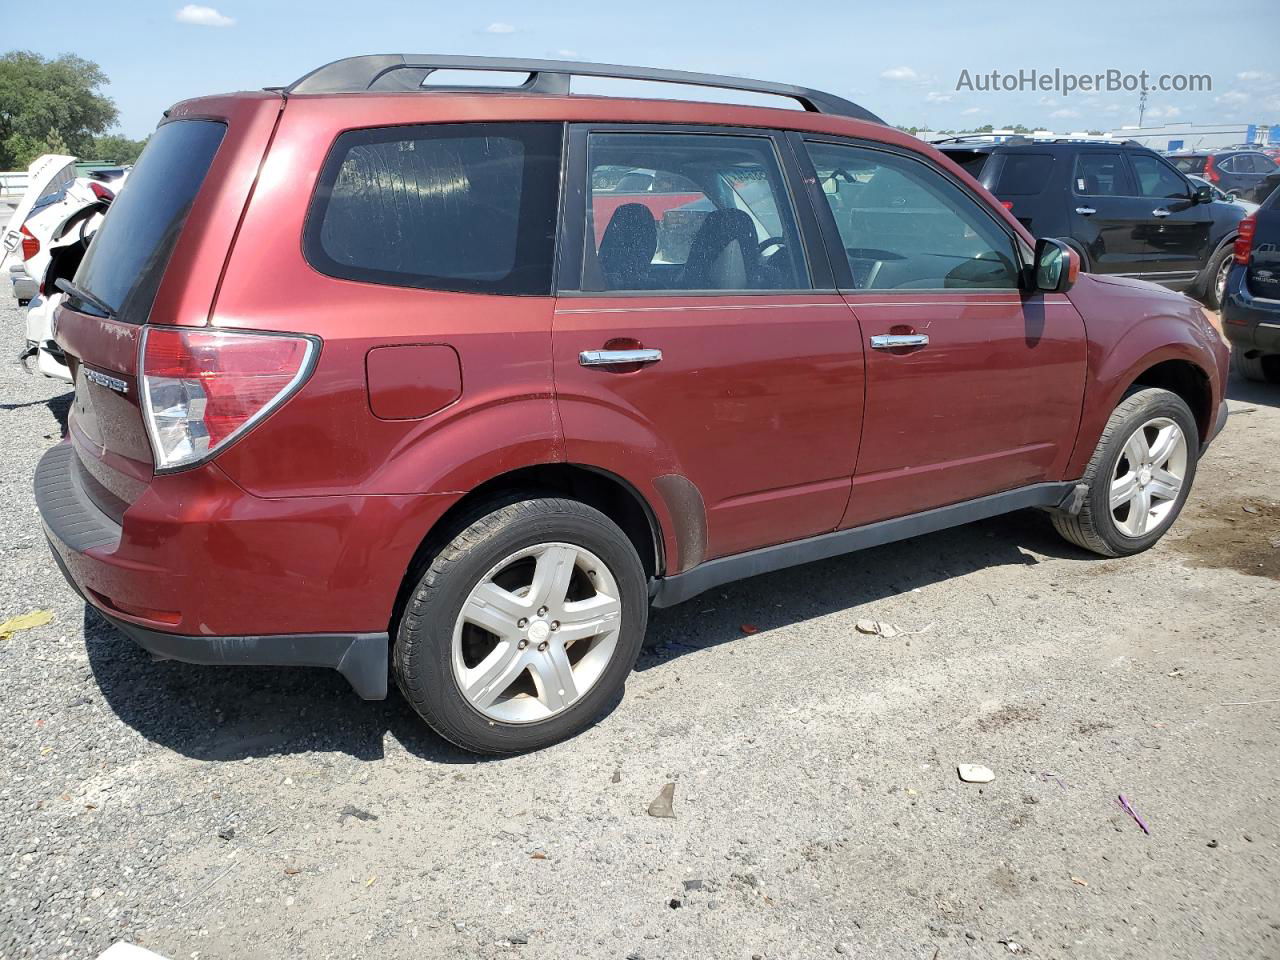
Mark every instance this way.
x=612 y=495
x=1189 y=381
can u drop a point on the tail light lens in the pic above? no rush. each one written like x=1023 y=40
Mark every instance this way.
x=104 y=194
x=1244 y=239
x=1210 y=171
x=202 y=389
x=30 y=243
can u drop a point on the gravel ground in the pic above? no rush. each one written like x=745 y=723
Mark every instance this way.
x=235 y=813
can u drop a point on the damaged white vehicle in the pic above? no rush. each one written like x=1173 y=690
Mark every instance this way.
x=49 y=234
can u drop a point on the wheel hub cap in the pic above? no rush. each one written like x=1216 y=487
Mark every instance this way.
x=536 y=633
x=1148 y=477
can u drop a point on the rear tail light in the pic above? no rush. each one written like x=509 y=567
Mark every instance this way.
x=202 y=389
x=1007 y=204
x=1244 y=239
x=1210 y=171
x=30 y=243
x=103 y=194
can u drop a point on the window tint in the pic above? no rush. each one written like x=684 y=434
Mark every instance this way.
x=1189 y=164
x=466 y=206
x=1024 y=174
x=688 y=212
x=903 y=225
x=1260 y=163
x=1155 y=178
x=1102 y=175
x=972 y=161
x=130 y=251
x=1227 y=165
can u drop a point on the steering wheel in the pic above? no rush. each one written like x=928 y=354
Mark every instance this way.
x=768 y=242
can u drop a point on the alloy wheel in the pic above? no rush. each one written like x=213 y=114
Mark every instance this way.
x=536 y=633
x=1148 y=477
x=1220 y=281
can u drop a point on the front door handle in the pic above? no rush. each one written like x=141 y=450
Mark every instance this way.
x=614 y=358
x=1086 y=211
x=1159 y=212
x=889 y=341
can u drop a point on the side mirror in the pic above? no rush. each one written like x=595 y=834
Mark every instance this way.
x=1231 y=197
x=1056 y=266
x=1203 y=194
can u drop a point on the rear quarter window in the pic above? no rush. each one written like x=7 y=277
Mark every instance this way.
x=1189 y=164
x=468 y=207
x=1023 y=174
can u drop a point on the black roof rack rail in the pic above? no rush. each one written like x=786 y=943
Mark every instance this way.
x=404 y=72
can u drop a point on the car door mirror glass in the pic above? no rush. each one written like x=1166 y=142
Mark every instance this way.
x=1056 y=266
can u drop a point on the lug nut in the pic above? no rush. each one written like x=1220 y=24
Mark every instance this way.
x=542 y=646
x=522 y=622
x=522 y=644
x=555 y=624
x=542 y=611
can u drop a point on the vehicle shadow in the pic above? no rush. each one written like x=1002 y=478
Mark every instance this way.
x=59 y=406
x=225 y=714
x=1250 y=391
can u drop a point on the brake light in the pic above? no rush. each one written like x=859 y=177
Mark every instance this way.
x=202 y=389
x=1244 y=239
x=1007 y=204
x=1210 y=171
x=101 y=192
x=30 y=243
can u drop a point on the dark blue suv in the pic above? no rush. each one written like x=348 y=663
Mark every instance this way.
x=1251 y=311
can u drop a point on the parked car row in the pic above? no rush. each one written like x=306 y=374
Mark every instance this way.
x=451 y=388
x=1127 y=210
x=1251 y=312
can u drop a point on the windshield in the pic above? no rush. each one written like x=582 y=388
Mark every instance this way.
x=1189 y=164
x=131 y=250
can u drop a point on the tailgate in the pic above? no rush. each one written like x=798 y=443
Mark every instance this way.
x=156 y=259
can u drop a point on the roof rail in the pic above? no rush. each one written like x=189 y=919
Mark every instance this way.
x=406 y=72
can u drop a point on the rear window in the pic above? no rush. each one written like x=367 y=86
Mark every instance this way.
x=469 y=207
x=130 y=251
x=1189 y=164
x=972 y=161
x=1023 y=174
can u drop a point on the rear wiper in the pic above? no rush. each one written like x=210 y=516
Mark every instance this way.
x=66 y=286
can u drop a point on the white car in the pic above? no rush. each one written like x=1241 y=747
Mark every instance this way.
x=47 y=180
x=52 y=239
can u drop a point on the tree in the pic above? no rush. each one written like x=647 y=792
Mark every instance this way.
x=48 y=104
x=114 y=148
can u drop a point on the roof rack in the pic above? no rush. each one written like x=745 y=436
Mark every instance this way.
x=406 y=72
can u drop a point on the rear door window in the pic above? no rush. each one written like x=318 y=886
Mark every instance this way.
x=468 y=207
x=129 y=253
x=1102 y=175
x=681 y=211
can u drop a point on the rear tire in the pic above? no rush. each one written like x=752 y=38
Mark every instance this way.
x=522 y=630
x=1261 y=368
x=1139 y=476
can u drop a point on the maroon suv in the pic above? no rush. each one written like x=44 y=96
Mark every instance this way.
x=453 y=384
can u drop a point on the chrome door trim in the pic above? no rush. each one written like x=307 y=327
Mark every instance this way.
x=610 y=358
x=889 y=341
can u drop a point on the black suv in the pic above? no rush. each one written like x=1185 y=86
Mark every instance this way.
x=1235 y=170
x=1123 y=207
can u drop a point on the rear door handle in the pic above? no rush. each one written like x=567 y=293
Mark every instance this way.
x=888 y=341
x=613 y=358
x=1159 y=212
x=1086 y=211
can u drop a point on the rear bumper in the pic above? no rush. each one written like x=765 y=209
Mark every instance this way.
x=1249 y=322
x=198 y=570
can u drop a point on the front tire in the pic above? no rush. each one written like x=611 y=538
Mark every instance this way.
x=523 y=628
x=1139 y=476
